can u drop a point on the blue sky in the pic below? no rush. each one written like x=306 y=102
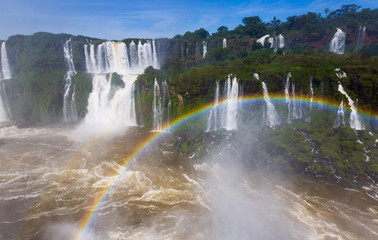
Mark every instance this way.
x=119 y=19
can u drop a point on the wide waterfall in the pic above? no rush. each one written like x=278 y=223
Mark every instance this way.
x=271 y=113
x=225 y=115
x=361 y=38
x=340 y=122
x=277 y=42
x=354 y=120
x=224 y=43
x=108 y=103
x=69 y=106
x=262 y=39
x=4 y=74
x=338 y=42
x=204 y=47
x=287 y=96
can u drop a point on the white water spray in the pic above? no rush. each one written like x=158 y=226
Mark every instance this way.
x=6 y=74
x=156 y=108
x=338 y=42
x=231 y=110
x=204 y=47
x=354 y=120
x=311 y=99
x=340 y=122
x=212 y=122
x=361 y=38
x=69 y=106
x=287 y=96
x=224 y=43
x=271 y=113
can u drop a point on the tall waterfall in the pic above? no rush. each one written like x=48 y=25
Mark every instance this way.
x=295 y=109
x=354 y=120
x=339 y=122
x=287 y=96
x=161 y=106
x=110 y=105
x=338 y=42
x=225 y=116
x=271 y=113
x=224 y=43
x=156 y=108
x=281 y=41
x=231 y=110
x=6 y=74
x=212 y=122
x=361 y=38
x=204 y=47
x=308 y=119
x=69 y=106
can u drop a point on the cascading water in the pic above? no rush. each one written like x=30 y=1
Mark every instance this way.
x=262 y=39
x=197 y=49
x=226 y=116
x=108 y=105
x=271 y=113
x=281 y=41
x=361 y=38
x=204 y=47
x=4 y=74
x=156 y=108
x=166 y=103
x=287 y=96
x=339 y=122
x=354 y=120
x=231 y=109
x=308 y=119
x=338 y=42
x=69 y=106
x=256 y=76
x=224 y=43
x=295 y=114
x=212 y=122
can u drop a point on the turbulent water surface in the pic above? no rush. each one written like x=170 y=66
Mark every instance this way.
x=48 y=179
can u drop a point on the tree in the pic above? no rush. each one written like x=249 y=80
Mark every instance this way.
x=222 y=29
x=274 y=23
x=201 y=33
x=252 y=20
x=326 y=11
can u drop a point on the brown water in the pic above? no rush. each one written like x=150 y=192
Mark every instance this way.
x=48 y=180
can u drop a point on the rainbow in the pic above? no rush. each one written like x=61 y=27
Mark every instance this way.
x=88 y=218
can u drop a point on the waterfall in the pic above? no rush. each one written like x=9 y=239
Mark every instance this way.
x=204 y=44
x=339 y=122
x=256 y=76
x=295 y=110
x=226 y=116
x=287 y=96
x=166 y=103
x=311 y=98
x=271 y=41
x=361 y=38
x=4 y=74
x=110 y=105
x=212 y=122
x=338 y=42
x=231 y=110
x=281 y=41
x=157 y=109
x=4 y=63
x=224 y=43
x=133 y=55
x=262 y=39
x=69 y=106
x=354 y=120
x=271 y=113
x=197 y=49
